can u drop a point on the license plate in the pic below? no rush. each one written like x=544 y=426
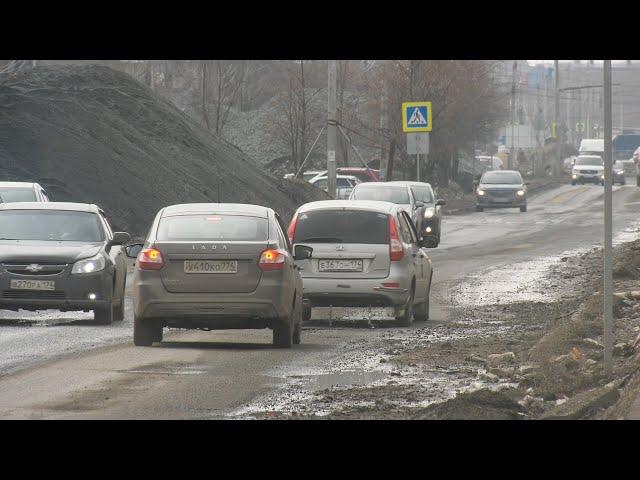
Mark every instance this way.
x=340 y=265
x=211 y=266
x=33 y=285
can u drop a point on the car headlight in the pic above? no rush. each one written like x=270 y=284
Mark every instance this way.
x=602 y=177
x=575 y=175
x=429 y=212
x=481 y=192
x=90 y=265
x=520 y=193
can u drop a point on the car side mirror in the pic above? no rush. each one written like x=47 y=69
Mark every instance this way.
x=418 y=204
x=133 y=250
x=440 y=203
x=120 y=238
x=302 y=252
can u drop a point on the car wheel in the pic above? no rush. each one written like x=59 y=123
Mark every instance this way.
x=479 y=209
x=283 y=332
x=157 y=337
x=421 y=312
x=406 y=318
x=104 y=316
x=144 y=333
x=573 y=183
x=306 y=315
x=118 y=310
x=523 y=209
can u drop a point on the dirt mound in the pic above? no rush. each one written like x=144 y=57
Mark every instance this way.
x=93 y=134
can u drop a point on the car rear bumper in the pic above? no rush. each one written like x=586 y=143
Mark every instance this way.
x=71 y=292
x=355 y=292
x=255 y=309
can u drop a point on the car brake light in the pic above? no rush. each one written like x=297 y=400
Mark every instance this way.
x=291 y=231
x=150 y=259
x=396 y=250
x=271 y=259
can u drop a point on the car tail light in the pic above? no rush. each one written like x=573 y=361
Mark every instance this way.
x=391 y=284
x=271 y=259
x=150 y=259
x=291 y=231
x=396 y=250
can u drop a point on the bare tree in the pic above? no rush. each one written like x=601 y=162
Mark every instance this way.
x=221 y=84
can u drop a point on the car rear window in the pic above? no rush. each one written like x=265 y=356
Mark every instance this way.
x=50 y=225
x=382 y=193
x=213 y=227
x=342 y=226
x=14 y=194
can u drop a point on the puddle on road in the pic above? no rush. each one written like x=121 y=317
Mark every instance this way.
x=305 y=390
x=164 y=370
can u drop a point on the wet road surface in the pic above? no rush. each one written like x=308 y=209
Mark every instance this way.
x=56 y=365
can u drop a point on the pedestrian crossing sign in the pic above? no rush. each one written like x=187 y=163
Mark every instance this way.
x=416 y=117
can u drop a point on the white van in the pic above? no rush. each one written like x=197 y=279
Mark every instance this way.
x=592 y=146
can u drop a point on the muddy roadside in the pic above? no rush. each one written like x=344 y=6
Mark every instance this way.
x=532 y=352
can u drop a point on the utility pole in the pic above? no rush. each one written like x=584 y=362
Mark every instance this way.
x=608 y=277
x=383 y=128
x=332 y=130
x=513 y=113
x=556 y=119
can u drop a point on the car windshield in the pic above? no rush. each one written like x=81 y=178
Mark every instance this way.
x=423 y=194
x=15 y=194
x=213 y=227
x=511 y=178
x=309 y=176
x=342 y=226
x=589 y=161
x=50 y=225
x=382 y=192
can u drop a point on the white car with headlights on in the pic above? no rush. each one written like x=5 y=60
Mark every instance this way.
x=588 y=169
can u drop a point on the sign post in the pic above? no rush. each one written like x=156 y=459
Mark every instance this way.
x=416 y=123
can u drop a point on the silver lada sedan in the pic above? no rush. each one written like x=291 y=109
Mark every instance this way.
x=217 y=266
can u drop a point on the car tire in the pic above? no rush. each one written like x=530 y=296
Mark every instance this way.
x=523 y=209
x=118 y=310
x=144 y=333
x=158 y=332
x=573 y=183
x=104 y=316
x=479 y=209
x=406 y=318
x=283 y=333
x=421 y=312
x=306 y=311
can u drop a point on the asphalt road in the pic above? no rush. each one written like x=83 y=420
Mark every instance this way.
x=56 y=365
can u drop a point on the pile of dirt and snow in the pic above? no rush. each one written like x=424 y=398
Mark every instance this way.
x=92 y=134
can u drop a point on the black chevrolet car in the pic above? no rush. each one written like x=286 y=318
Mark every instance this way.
x=61 y=256
x=501 y=189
